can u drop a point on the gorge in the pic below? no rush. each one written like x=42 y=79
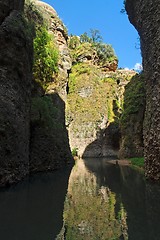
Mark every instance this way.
x=62 y=96
x=39 y=142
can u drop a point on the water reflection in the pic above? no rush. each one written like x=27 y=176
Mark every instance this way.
x=33 y=209
x=111 y=202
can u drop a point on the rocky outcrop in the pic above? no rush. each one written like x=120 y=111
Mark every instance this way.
x=92 y=52
x=33 y=136
x=145 y=15
x=49 y=143
x=58 y=29
x=15 y=89
x=94 y=105
x=95 y=97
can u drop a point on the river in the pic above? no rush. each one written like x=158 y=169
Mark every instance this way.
x=100 y=200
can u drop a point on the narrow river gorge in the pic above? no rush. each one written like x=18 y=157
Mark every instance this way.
x=64 y=96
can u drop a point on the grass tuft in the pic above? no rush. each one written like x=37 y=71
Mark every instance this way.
x=139 y=162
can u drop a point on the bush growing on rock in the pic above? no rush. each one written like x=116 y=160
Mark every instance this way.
x=45 y=56
x=91 y=47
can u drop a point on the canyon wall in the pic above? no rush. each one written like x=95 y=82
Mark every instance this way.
x=33 y=136
x=94 y=108
x=145 y=16
x=131 y=121
x=49 y=143
x=15 y=89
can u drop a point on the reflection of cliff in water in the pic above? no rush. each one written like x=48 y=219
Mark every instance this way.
x=89 y=211
x=140 y=199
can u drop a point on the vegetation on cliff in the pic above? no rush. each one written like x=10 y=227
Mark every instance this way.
x=131 y=121
x=91 y=47
x=87 y=88
x=137 y=162
x=49 y=147
x=45 y=56
x=134 y=98
x=95 y=93
x=46 y=53
x=95 y=88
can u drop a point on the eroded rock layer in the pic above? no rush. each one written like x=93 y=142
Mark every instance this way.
x=145 y=16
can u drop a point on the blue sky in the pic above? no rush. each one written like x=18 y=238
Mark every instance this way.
x=104 y=15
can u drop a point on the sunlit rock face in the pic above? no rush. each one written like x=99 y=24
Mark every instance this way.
x=15 y=86
x=58 y=29
x=145 y=15
x=94 y=106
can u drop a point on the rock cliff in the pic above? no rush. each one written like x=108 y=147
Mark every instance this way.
x=101 y=114
x=49 y=144
x=131 y=121
x=59 y=31
x=33 y=136
x=145 y=15
x=15 y=91
x=94 y=106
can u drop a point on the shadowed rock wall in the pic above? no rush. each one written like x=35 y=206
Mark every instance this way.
x=15 y=82
x=131 y=121
x=33 y=136
x=145 y=16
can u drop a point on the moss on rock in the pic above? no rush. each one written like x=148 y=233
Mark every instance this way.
x=132 y=118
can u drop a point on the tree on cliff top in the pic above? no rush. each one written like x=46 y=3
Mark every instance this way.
x=104 y=51
x=93 y=37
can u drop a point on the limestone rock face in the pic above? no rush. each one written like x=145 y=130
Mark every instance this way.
x=110 y=66
x=94 y=105
x=59 y=31
x=145 y=15
x=49 y=144
x=15 y=88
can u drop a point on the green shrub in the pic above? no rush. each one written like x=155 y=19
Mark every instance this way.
x=45 y=56
x=73 y=42
x=139 y=162
x=75 y=152
x=104 y=51
x=93 y=37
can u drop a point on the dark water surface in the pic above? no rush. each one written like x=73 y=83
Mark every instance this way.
x=33 y=209
x=104 y=201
